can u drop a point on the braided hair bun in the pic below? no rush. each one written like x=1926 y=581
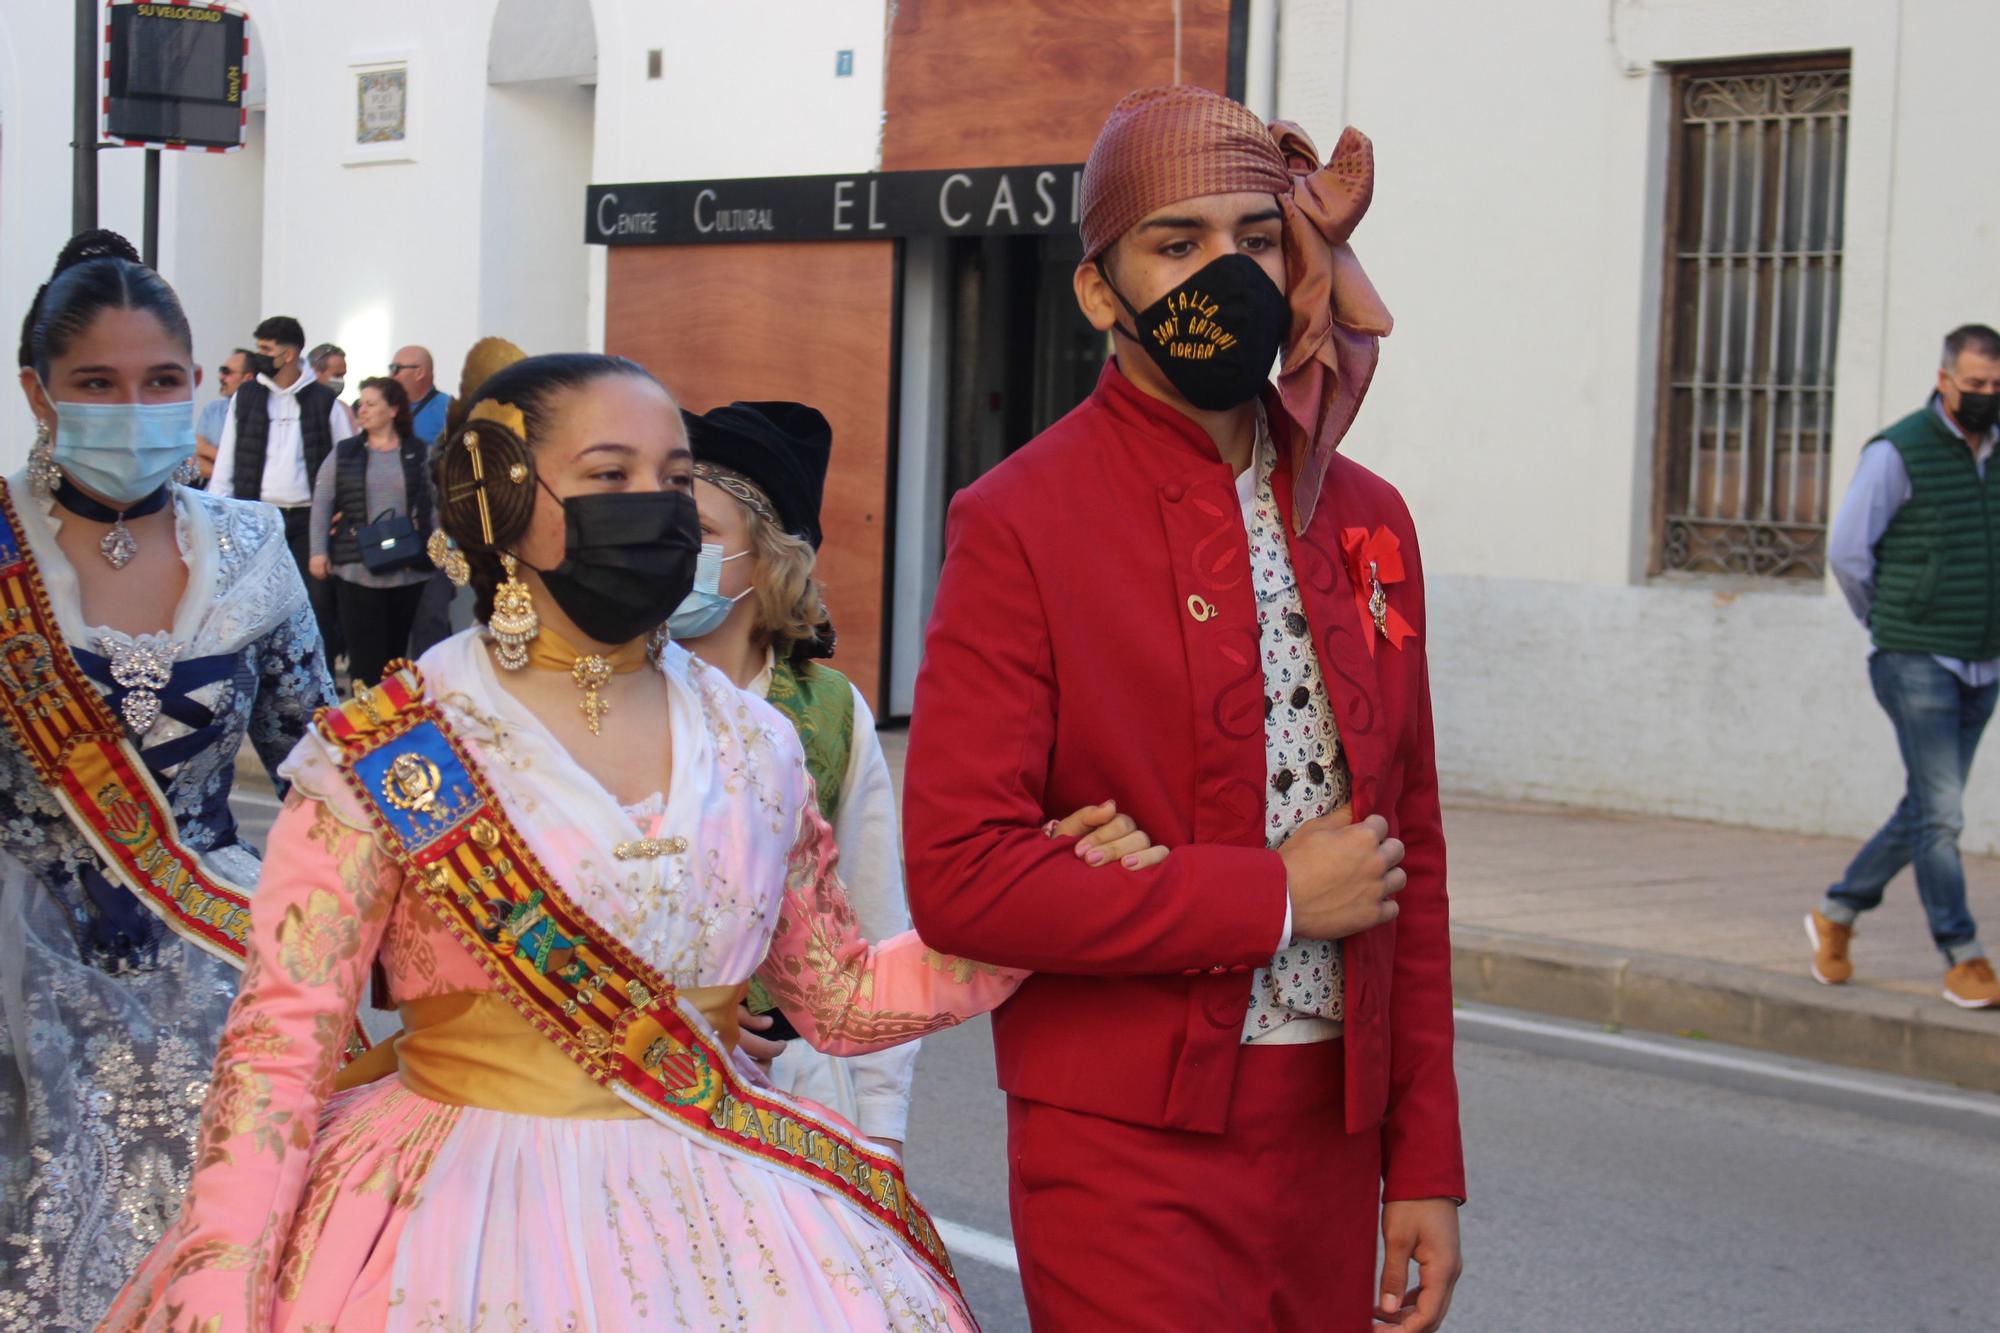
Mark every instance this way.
x=484 y=479
x=97 y=243
x=111 y=276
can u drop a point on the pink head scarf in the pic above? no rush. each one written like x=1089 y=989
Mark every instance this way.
x=1163 y=145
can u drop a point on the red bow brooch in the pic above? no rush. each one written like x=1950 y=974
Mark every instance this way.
x=1374 y=559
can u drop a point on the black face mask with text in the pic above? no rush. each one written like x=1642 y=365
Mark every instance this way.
x=628 y=561
x=1216 y=335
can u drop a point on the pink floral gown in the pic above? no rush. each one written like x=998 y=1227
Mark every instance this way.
x=382 y=1208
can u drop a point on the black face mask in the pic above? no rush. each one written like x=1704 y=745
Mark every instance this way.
x=260 y=364
x=1977 y=412
x=629 y=560
x=1216 y=335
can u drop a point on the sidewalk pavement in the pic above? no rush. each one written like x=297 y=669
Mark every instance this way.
x=1684 y=928
x=1697 y=929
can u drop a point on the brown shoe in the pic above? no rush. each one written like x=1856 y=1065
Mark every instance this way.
x=1972 y=985
x=1829 y=940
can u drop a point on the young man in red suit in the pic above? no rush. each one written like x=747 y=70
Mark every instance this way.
x=1229 y=1064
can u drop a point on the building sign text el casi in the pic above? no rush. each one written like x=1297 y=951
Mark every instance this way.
x=987 y=201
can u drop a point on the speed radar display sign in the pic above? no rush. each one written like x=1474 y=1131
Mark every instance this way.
x=174 y=76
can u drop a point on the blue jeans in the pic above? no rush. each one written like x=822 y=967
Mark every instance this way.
x=1938 y=721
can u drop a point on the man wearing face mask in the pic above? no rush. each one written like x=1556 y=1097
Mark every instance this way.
x=1182 y=597
x=283 y=425
x=329 y=366
x=1916 y=548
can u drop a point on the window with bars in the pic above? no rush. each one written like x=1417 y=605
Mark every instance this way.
x=1750 y=311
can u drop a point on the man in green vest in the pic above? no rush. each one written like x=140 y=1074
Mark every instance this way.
x=1916 y=549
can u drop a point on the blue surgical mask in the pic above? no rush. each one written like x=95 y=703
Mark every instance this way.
x=702 y=612
x=123 y=451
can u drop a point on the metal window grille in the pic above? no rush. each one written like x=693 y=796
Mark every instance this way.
x=1751 y=311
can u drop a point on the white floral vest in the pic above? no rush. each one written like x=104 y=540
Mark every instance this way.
x=1297 y=998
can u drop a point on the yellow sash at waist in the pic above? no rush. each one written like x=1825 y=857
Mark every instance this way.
x=473 y=1048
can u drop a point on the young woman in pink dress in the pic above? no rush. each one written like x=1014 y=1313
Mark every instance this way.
x=562 y=846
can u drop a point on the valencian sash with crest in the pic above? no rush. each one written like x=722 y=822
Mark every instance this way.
x=617 y=1018
x=79 y=749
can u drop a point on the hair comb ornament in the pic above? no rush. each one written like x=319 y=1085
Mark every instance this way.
x=446 y=556
x=471 y=442
x=483 y=360
x=504 y=414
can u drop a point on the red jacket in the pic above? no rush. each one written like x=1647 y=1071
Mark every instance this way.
x=1068 y=661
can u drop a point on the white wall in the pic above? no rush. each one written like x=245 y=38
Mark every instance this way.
x=36 y=63
x=746 y=90
x=1683 y=701
x=378 y=254
x=1516 y=234
x=535 y=40
x=212 y=244
x=534 y=266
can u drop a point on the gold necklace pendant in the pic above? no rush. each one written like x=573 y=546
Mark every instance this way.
x=591 y=673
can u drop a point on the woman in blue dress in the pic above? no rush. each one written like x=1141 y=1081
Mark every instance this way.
x=159 y=627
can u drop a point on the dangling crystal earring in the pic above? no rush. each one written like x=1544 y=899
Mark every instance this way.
x=43 y=474
x=188 y=473
x=514 y=623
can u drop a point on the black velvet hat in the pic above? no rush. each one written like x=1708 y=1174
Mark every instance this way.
x=781 y=448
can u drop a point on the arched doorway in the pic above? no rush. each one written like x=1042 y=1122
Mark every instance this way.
x=541 y=107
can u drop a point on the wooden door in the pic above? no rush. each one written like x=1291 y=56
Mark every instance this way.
x=807 y=321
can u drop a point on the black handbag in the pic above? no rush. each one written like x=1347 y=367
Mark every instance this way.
x=391 y=543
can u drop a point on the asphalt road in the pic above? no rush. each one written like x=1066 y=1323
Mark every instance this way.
x=1618 y=1190
x=1618 y=1183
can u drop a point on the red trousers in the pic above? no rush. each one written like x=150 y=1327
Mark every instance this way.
x=1270 y=1225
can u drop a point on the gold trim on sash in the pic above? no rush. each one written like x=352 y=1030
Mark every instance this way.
x=80 y=752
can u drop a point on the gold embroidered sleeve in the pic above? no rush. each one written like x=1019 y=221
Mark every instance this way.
x=845 y=995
